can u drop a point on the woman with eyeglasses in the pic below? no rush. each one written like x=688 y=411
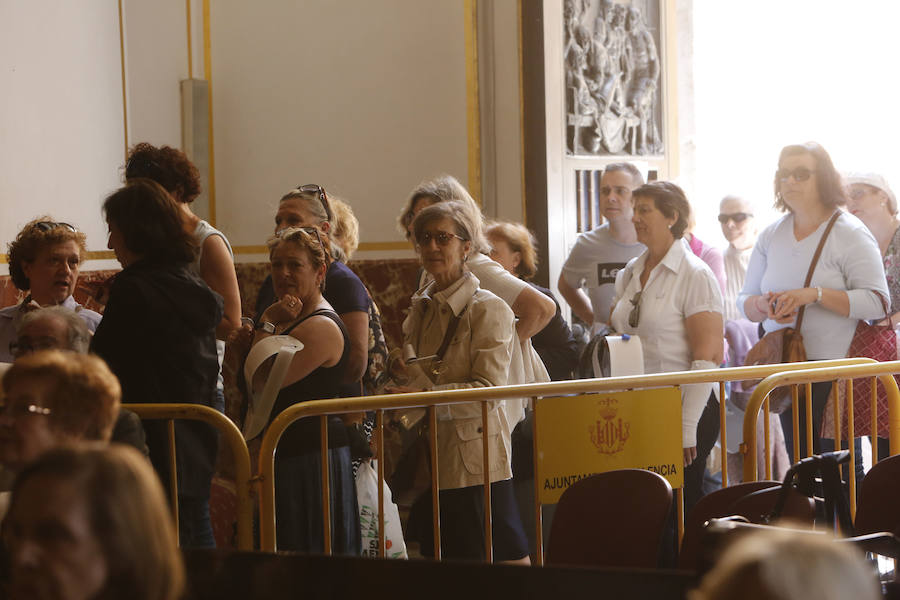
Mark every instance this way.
x=299 y=261
x=171 y=168
x=871 y=200
x=158 y=335
x=44 y=261
x=462 y=336
x=848 y=283
x=671 y=299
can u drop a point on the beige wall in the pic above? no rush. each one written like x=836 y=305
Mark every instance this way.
x=365 y=98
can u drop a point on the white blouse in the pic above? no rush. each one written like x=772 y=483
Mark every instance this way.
x=681 y=285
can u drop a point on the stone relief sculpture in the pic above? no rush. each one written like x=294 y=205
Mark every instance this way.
x=612 y=74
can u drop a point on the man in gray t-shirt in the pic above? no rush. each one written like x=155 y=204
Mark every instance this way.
x=599 y=254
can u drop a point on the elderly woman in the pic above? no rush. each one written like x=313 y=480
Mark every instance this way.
x=214 y=262
x=44 y=260
x=872 y=201
x=54 y=398
x=90 y=523
x=671 y=299
x=309 y=206
x=299 y=262
x=158 y=336
x=848 y=283
x=466 y=336
x=513 y=248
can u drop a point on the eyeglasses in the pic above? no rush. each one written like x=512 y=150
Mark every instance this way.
x=51 y=225
x=857 y=192
x=799 y=174
x=26 y=345
x=309 y=231
x=442 y=238
x=312 y=188
x=16 y=411
x=634 y=317
x=738 y=217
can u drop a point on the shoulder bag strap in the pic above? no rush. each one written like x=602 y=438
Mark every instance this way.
x=815 y=260
x=448 y=336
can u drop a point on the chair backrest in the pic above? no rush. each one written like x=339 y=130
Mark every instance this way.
x=714 y=505
x=613 y=519
x=756 y=506
x=878 y=503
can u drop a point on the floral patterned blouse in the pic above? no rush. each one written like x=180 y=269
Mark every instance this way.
x=892 y=270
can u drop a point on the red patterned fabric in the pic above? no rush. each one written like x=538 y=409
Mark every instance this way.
x=880 y=343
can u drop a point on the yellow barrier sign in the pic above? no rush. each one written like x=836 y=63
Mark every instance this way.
x=584 y=435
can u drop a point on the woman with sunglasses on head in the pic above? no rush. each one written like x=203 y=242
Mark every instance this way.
x=299 y=260
x=308 y=206
x=158 y=335
x=462 y=337
x=848 y=283
x=170 y=168
x=44 y=261
x=671 y=299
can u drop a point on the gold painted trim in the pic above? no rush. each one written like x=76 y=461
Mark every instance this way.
x=124 y=88
x=363 y=247
x=207 y=74
x=190 y=45
x=473 y=104
x=521 y=109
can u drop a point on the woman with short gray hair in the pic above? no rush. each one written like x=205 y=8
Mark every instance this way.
x=462 y=337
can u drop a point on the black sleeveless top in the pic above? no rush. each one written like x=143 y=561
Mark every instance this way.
x=323 y=383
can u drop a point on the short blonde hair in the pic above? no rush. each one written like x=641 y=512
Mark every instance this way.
x=315 y=243
x=446 y=188
x=85 y=396
x=521 y=240
x=345 y=232
x=38 y=234
x=785 y=565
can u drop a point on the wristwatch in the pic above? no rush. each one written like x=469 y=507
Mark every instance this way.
x=266 y=326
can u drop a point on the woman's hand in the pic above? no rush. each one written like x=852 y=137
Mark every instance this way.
x=783 y=306
x=689 y=455
x=241 y=339
x=285 y=310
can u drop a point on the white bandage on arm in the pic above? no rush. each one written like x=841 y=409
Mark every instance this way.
x=694 y=397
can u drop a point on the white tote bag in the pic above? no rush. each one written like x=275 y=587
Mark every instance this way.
x=367 y=495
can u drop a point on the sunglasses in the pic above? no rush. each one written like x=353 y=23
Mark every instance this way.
x=312 y=188
x=634 y=317
x=311 y=231
x=17 y=411
x=51 y=225
x=141 y=166
x=442 y=238
x=738 y=217
x=799 y=174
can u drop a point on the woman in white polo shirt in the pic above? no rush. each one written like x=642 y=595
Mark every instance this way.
x=671 y=299
x=847 y=285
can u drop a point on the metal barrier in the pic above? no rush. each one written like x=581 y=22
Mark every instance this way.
x=232 y=438
x=323 y=408
x=839 y=374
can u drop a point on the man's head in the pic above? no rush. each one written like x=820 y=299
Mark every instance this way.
x=738 y=222
x=51 y=328
x=616 y=184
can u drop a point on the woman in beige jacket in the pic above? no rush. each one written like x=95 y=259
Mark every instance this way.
x=463 y=337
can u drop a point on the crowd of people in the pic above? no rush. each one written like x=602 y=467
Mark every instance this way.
x=476 y=320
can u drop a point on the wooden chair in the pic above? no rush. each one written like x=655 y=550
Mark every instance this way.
x=613 y=519
x=878 y=503
x=714 y=505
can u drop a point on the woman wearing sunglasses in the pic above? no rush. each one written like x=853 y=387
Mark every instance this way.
x=671 y=299
x=44 y=261
x=300 y=262
x=462 y=337
x=848 y=283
